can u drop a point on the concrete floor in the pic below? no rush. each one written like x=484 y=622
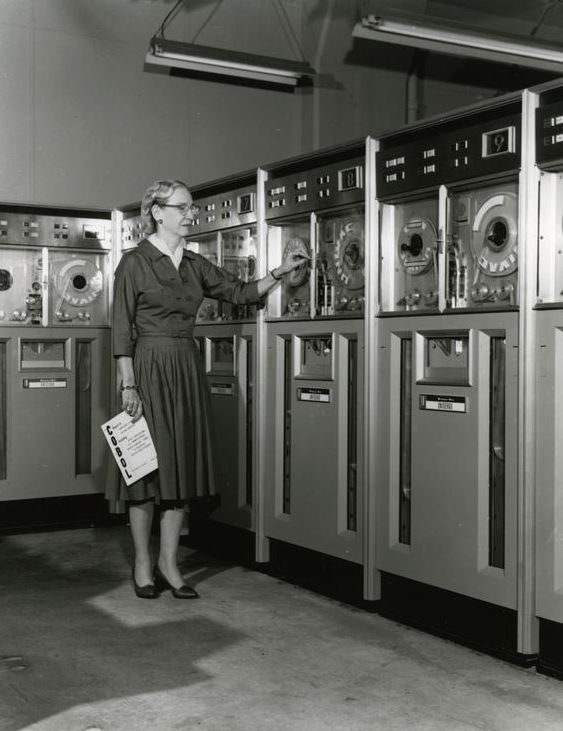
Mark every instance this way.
x=79 y=652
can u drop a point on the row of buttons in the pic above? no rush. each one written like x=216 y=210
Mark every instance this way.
x=242 y=204
x=212 y=206
x=455 y=162
x=301 y=198
x=299 y=185
x=553 y=121
x=394 y=162
x=431 y=168
x=553 y=139
x=394 y=177
x=33 y=234
x=428 y=154
x=458 y=162
x=35 y=224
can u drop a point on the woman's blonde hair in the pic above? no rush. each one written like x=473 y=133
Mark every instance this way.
x=158 y=192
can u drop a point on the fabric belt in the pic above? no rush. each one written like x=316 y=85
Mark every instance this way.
x=184 y=334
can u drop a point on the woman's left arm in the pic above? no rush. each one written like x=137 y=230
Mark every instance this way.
x=223 y=285
x=289 y=263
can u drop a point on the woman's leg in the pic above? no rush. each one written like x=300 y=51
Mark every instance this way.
x=140 y=519
x=170 y=526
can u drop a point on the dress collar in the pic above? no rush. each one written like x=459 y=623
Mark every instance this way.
x=175 y=257
x=153 y=252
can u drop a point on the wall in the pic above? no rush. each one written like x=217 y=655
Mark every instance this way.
x=84 y=124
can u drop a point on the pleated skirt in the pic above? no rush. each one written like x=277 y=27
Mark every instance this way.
x=175 y=396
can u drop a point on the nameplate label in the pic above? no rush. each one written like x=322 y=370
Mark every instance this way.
x=451 y=404
x=315 y=395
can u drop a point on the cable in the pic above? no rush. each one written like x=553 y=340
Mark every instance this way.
x=206 y=22
x=280 y=10
x=286 y=23
x=549 y=6
x=160 y=31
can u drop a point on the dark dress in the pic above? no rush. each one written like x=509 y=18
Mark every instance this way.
x=154 y=309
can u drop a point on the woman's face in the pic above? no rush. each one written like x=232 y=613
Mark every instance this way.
x=177 y=213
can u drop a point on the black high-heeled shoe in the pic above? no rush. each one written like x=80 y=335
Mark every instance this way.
x=182 y=592
x=148 y=591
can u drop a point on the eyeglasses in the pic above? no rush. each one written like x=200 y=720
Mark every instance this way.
x=182 y=207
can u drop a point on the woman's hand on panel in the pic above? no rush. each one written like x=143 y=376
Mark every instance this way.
x=291 y=261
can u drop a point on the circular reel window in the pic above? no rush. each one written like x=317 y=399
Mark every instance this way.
x=349 y=254
x=300 y=275
x=78 y=282
x=6 y=280
x=416 y=245
x=495 y=235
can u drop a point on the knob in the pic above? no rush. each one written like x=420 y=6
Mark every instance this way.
x=412 y=298
x=415 y=245
x=497 y=234
x=431 y=297
x=504 y=292
x=480 y=293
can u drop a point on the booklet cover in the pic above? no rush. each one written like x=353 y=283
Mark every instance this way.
x=131 y=445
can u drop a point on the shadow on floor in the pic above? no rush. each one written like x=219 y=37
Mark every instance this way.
x=74 y=633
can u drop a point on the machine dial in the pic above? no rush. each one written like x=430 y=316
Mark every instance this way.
x=6 y=280
x=349 y=254
x=417 y=245
x=495 y=235
x=300 y=275
x=78 y=282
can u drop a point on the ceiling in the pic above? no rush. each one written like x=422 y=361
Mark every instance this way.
x=533 y=22
x=518 y=17
x=528 y=9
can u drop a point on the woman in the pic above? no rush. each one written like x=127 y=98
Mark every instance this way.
x=157 y=290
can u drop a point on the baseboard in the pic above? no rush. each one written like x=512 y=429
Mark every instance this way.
x=68 y=511
x=227 y=542
x=550 y=658
x=327 y=575
x=471 y=622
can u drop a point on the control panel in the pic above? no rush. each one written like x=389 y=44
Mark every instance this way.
x=19 y=226
x=549 y=134
x=405 y=163
x=54 y=267
x=224 y=209
x=316 y=189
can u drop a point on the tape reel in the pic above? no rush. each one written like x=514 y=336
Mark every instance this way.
x=244 y=267
x=300 y=275
x=6 y=280
x=416 y=245
x=78 y=282
x=494 y=239
x=349 y=254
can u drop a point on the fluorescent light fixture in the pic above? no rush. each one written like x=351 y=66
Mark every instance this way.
x=459 y=40
x=218 y=61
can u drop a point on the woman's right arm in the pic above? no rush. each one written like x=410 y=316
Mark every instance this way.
x=124 y=310
x=130 y=399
